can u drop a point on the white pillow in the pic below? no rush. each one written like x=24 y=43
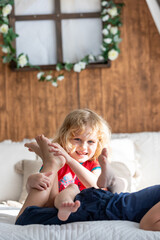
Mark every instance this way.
x=122 y=171
x=11 y=182
x=147 y=145
x=26 y=168
x=123 y=151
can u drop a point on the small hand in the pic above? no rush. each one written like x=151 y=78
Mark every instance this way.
x=59 y=151
x=39 y=181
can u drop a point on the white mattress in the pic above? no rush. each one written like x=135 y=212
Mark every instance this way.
x=104 y=230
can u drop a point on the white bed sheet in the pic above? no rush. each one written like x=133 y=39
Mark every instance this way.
x=8 y=214
x=104 y=230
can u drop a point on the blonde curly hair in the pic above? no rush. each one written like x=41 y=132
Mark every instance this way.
x=75 y=122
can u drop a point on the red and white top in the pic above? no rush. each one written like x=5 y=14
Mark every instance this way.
x=66 y=176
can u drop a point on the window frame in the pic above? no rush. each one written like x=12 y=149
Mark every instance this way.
x=57 y=16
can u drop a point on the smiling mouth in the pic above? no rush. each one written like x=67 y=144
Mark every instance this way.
x=81 y=153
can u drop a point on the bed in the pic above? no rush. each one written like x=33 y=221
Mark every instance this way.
x=135 y=156
x=89 y=230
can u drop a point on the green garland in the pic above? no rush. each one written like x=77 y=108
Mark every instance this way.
x=111 y=17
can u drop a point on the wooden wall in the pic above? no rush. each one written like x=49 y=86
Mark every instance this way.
x=127 y=95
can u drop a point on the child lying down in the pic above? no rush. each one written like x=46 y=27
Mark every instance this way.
x=97 y=204
x=91 y=204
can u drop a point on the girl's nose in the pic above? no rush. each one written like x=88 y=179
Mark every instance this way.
x=84 y=145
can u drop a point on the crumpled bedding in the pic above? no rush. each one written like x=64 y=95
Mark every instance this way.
x=104 y=230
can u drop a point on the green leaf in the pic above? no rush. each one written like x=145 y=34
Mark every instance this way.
x=59 y=66
x=3 y=19
x=8 y=58
x=4 y=2
x=33 y=66
x=42 y=79
x=85 y=59
x=68 y=66
x=12 y=34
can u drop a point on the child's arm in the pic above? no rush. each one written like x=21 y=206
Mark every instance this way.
x=39 y=181
x=86 y=177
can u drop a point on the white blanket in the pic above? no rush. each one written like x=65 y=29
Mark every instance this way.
x=104 y=230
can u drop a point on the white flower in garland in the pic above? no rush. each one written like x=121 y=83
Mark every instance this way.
x=112 y=54
x=78 y=67
x=6 y=10
x=113 y=12
x=40 y=74
x=108 y=40
x=48 y=77
x=22 y=60
x=109 y=26
x=60 y=77
x=4 y=28
x=103 y=48
x=105 y=32
x=82 y=65
x=6 y=49
x=54 y=84
x=104 y=11
x=105 y=18
x=117 y=39
x=100 y=58
x=114 y=30
x=104 y=3
x=91 y=58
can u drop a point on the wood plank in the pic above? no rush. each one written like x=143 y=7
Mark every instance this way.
x=90 y=90
x=138 y=87
x=154 y=46
x=2 y=83
x=17 y=100
x=66 y=97
x=114 y=98
x=43 y=110
x=133 y=90
x=145 y=79
x=3 y=112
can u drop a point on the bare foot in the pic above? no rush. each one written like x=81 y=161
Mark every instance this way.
x=102 y=181
x=47 y=156
x=107 y=176
x=33 y=147
x=67 y=208
x=102 y=159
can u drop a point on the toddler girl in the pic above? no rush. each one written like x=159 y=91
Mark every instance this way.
x=69 y=162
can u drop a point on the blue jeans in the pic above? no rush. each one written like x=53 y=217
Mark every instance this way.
x=97 y=204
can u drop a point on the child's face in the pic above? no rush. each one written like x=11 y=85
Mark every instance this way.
x=84 y=145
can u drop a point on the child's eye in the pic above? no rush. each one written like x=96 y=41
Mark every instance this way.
x=77 y=139
x=91 y=141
